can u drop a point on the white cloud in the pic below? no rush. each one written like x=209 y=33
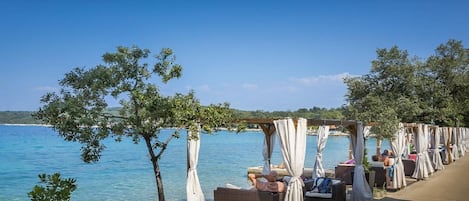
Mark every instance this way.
x=322 y=79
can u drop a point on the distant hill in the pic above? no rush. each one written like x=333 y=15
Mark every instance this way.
x=17 y=117
x=24 y=117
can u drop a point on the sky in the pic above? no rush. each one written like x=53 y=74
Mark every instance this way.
x=255 y=55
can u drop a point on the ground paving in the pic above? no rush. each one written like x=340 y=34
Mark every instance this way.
x=450 y=184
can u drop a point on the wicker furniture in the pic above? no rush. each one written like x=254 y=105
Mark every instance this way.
x=338 y=192
x=409 y=166
x=344 y=173
x=228 y=194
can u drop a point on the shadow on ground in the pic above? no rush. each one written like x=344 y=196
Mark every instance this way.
x=390 y=199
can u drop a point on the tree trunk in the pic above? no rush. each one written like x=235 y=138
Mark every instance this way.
x=378 y=146
x=156 y=170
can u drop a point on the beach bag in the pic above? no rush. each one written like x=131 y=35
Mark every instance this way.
x=322 y=185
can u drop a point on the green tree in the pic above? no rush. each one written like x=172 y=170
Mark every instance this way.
x=447 y=74
x=78 y=112
x=401 y=89
x=55 y=189
x=385 y=96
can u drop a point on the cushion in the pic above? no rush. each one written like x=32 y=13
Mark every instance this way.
x=318 y=195
x=376 y=164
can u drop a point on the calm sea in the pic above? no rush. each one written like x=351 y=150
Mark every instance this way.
x=125 y=172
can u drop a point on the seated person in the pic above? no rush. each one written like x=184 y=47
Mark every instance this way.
x=388 y=161
x=269 y=184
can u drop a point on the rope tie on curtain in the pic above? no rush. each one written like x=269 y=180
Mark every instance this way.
x=294 y=180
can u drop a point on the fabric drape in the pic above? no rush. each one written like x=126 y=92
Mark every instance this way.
x=193 y=188
x=360 y=189
x=428 y=162
x=353 y=144
x=460 y=142
x=293 y=148
x=436 y=158
x=398 y=147
x=421 y=171
x=454 y=142
x=323 y=133
x=266 y=152
x=444 y=132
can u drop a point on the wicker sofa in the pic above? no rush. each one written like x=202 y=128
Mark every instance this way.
x=229 y=194
x=338 y=192
x=409 y=166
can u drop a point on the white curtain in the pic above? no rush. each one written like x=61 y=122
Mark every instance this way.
x=293 y=147
x=460 y=141
x=454 y=142
x=193 y=189
x=465 y=141
x=360 y=189
x=428 y=162
x=398 y=147
x=266 y=152
x=421 y=171
x=407 y=138
x=445 y=133
x=323 y=133
x=367 y=132
x=436 y=158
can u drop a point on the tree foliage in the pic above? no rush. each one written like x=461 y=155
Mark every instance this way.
x=79 y=111
x=403 y=89
x=54 y=188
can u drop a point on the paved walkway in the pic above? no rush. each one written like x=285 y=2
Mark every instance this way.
x=450 y=184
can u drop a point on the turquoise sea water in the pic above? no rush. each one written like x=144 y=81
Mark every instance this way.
x=125 y=172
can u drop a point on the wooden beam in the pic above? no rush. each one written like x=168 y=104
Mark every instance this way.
x=310 y=122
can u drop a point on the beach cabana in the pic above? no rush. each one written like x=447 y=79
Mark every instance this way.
x=356 y=132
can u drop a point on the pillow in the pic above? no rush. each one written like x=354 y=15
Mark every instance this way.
x=376 y=164
x=318 y=195
x=231 y=186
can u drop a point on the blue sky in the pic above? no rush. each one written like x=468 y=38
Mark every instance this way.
x=256 y=55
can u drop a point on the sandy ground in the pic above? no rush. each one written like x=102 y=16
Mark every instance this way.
x=449 y=184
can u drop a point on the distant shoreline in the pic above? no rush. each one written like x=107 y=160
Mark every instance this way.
x=44 y=125
x=309 y=133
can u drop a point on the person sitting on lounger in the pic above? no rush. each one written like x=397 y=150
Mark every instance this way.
x=267 y=183
x=388 y=161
